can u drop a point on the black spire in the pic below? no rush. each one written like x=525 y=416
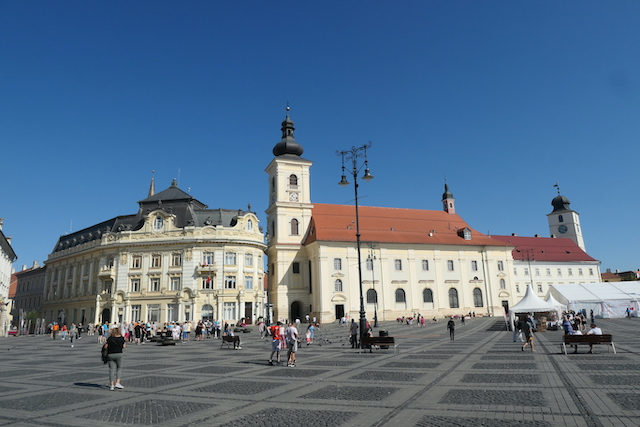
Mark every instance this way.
x=288 y=144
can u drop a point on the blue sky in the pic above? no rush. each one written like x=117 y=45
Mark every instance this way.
x=503 y=98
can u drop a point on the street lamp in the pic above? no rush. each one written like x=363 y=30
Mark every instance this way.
x=370 y=259
x=353 y=154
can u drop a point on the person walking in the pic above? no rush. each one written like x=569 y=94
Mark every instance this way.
x=353 y=329
x=115 y=345
x=292 y=344
x=73 y=334
x=527 y=330
x=276 y=342
x=451 y=326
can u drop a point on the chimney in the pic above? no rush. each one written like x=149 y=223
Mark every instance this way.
x=514 y=234
x=35 y=264
x=24 y=267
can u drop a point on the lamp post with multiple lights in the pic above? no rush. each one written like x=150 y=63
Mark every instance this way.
x=352 y=155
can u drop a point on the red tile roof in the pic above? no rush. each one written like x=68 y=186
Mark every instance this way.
x=336 y=223
x=545 y=249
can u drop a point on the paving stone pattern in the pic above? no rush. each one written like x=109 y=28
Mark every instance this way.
x=480 y=379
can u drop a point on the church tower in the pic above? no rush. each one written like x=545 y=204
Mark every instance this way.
x=448 y=202
x=564 y=222
x=288 y=218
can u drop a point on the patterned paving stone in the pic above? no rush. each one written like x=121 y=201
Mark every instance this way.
x=609 y=366
x=335 y=362
x=239 y=387
x=21 y=372
x=351 y=393
x=438 y=421
x=633 y=380
x=387 y=376
x=502 y=366
x=501 y=378
x=77 y=376
x=494 y=397
x=146 y=366
x=626 y=401
x=293 y=373
x=5 y=389
x=411 y=365
x=214 y=369
x=153 y=381
x=508 y=357
x=428 y=356
x=47 y=401
x=276 y=417
x=148 y=412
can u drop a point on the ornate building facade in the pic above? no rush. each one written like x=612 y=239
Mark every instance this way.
x=417 y=261
x=175 y=260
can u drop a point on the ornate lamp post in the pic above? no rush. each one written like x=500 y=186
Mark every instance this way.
x=353 y=154
x=370 y=259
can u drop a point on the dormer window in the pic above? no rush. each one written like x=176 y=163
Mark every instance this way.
x=465 y=233
x=157 y=223
x=249 y=225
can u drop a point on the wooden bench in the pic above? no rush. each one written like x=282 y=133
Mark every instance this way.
x=587 y=339
x=382 y=342
x=230 y=341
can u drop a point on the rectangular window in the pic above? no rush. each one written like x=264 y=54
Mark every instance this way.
x=229 y=310
x=156 y=261
x=207 y=282
x=526 y=271
x=248 y=282
x=425 y=265
x=570 y=272
x=500 y=266
x=295 y=267
x=136 y=262
x=176 y=260
x=559 y=272
x=591 y=272
x=135 y=285
x=153 y=312
x=579 y=272
x=539 y=289
x=172 y=312
x=230 y=258
x=207 y=258
x=398 y=264
x=248 y=260
x=537 y=271
x=474 y=265
x=337 y=263
x=175 y=283
x=549 y=272
x=369 y=264
x=515 y=271
x=450 y=265
x=136 y=311
x=518 y=288
x=154 y=284
x=230 y=282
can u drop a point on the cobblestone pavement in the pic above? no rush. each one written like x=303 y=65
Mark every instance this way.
x=481 y=378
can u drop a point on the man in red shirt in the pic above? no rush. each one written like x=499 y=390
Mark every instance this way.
x=276 y=342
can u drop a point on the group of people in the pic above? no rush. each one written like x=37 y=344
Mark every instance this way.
x=572 y=329
x=281 y=338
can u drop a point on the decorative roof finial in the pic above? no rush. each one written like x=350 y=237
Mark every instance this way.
x=152 y=187
x=557 y=185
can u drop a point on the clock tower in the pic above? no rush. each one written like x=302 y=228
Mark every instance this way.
x=288 y=217
x=564 y=222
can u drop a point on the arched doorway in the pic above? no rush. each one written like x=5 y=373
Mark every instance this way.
x=106 y=315
x=296 y=310
x=207 y=312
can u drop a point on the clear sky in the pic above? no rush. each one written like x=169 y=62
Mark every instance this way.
x=503 y=98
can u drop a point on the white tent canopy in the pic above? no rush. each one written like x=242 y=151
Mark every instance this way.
x=607 y=300
x=530 y=303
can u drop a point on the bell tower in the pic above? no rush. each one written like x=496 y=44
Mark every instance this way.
x=448 y=202
x=288 y=218
x=564 y=222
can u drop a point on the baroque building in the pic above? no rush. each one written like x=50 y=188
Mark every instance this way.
x=174 y=260
x=7 y=257
x=417 y=261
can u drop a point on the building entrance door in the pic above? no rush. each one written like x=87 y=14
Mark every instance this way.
x=248 y=313
x=339 y=311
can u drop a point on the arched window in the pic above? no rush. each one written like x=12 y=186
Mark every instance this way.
x=157 y=224
x=294 y=227
x=453 y=298
x=338 y=285
x=400 y=295
x=503 y=284
x=372 y=296
x=293 y=180
x=249 y=225
x=427 y=295
x=477 y=298
x=207 y=312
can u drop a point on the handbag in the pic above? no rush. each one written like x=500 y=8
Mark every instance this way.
x=105 y=353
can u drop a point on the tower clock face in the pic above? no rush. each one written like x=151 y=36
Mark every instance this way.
x=293 y=197
x=563 y=229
